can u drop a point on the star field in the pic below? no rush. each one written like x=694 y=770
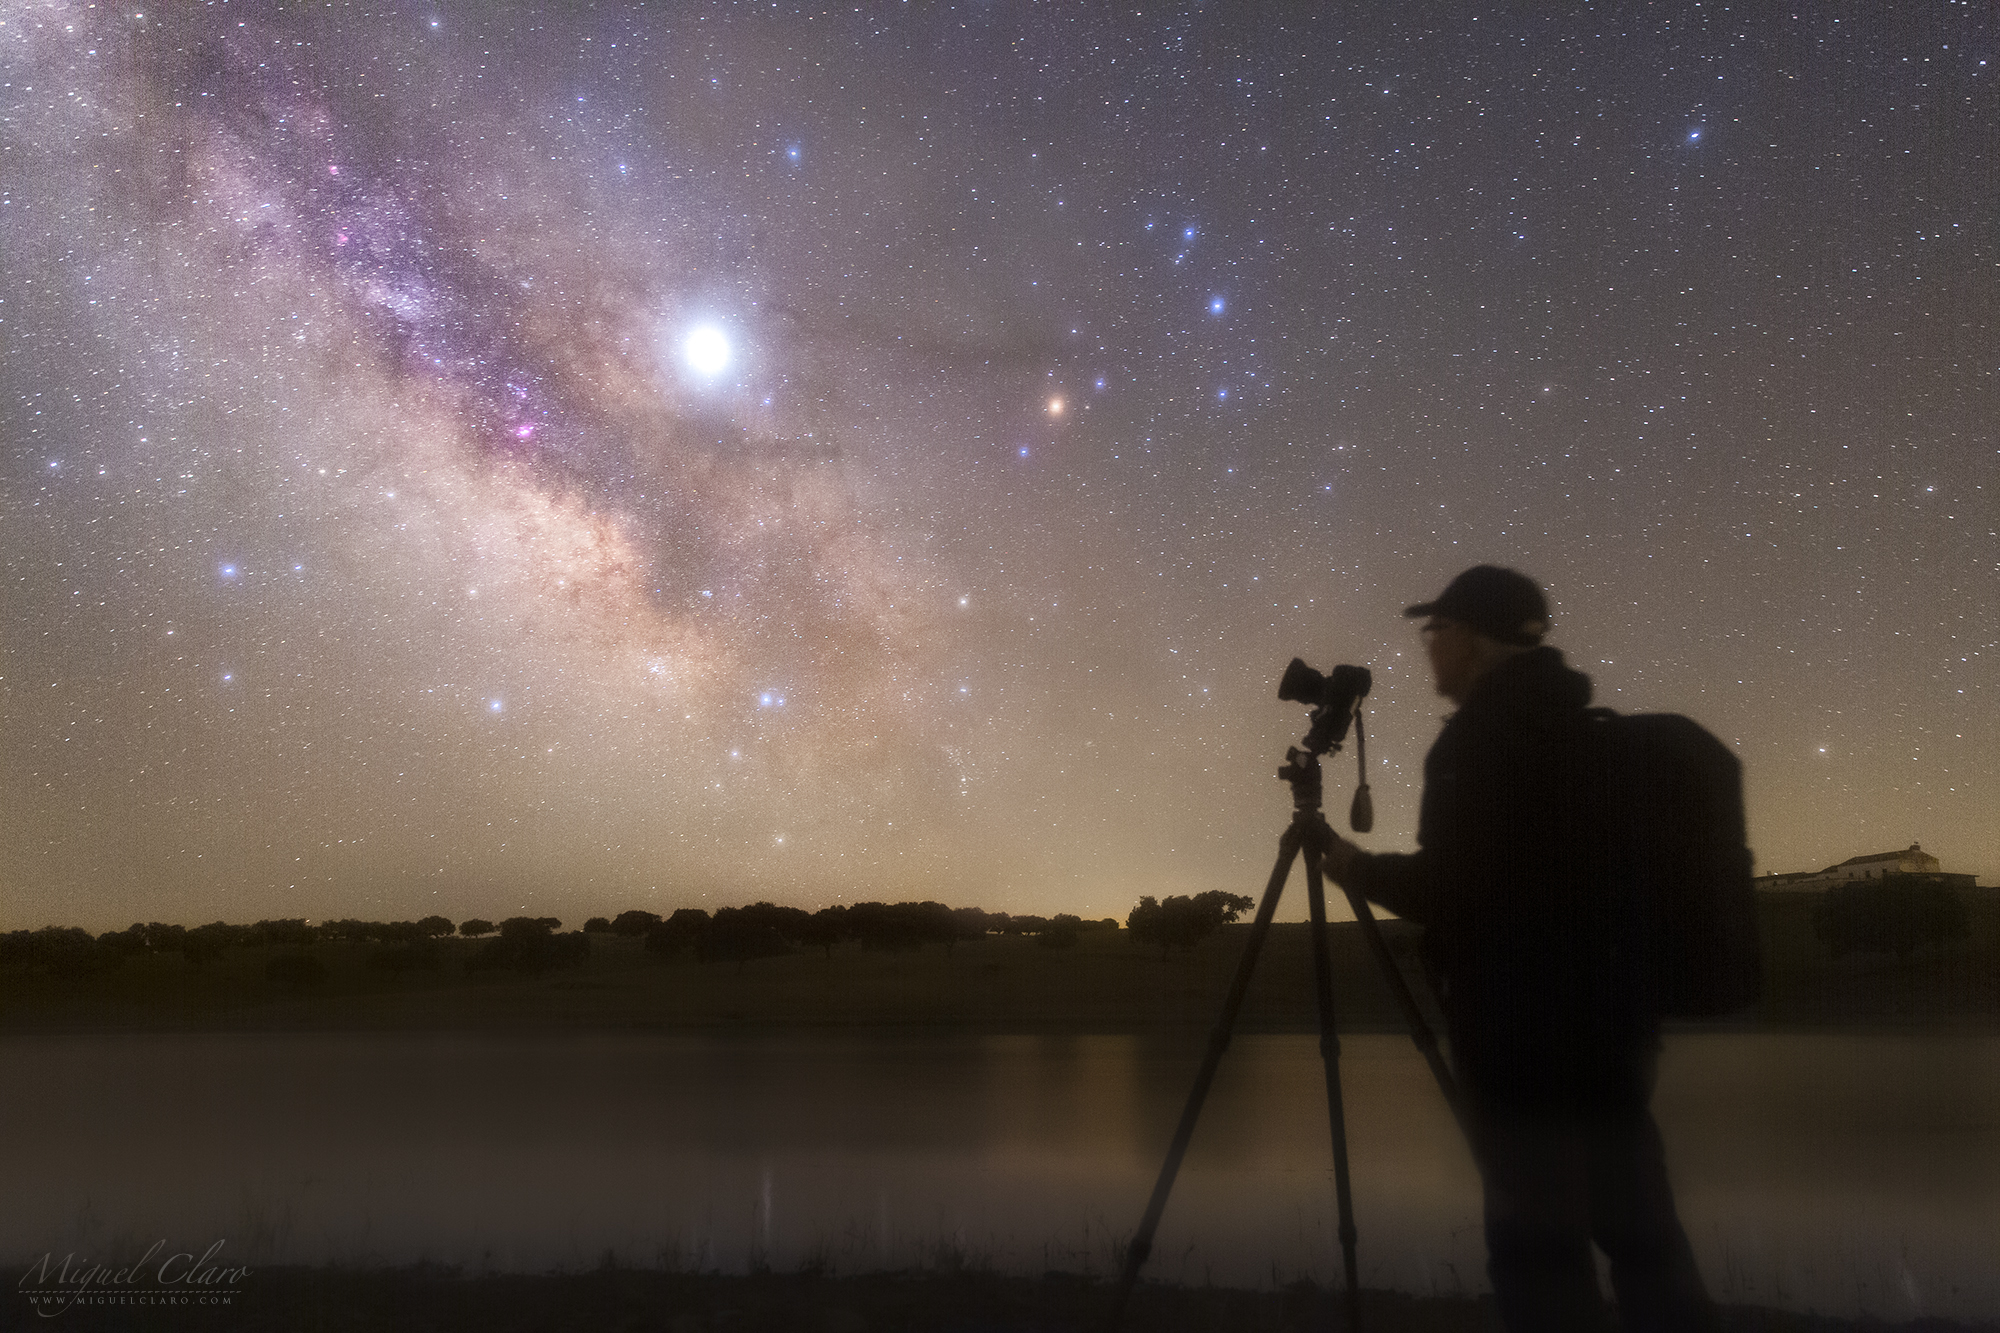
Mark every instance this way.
x=480 y=458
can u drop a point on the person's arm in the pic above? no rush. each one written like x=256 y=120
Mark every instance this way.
x=1399 y=881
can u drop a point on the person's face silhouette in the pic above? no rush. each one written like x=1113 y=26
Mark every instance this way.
x=1453 y=648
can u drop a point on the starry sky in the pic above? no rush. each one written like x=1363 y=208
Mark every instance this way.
x=476 y=458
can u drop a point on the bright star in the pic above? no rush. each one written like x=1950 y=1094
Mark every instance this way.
x=1055 y=407
x=1214 y=305
x=707 y=351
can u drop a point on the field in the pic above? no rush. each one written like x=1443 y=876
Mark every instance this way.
x=1105 y=982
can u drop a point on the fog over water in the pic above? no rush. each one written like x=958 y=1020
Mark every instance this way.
x=1840 y=1173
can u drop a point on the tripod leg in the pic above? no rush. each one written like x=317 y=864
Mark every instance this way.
x=1329 y=1053
x=1420 y=1031
x=1218 y=1041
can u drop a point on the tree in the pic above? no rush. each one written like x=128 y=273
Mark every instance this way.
x=292 y=932
x=740 y=934
x=634 y=922
x=529 y=944
x=434 y=927
x=61 y=951
x=597 y=925
x=901 y=925
x=1061 y=932
x=825 y=928
x=1183 y=922
x=972 y=923
x=204 y=944
x=125 y=942
x=474 y=928
x=1894 y=914
x=677 y=932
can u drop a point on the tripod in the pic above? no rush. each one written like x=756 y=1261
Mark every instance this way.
x=1310 y=834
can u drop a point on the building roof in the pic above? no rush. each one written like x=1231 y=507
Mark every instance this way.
x=1915 y=847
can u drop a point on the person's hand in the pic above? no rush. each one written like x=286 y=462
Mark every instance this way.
x=1337 y=863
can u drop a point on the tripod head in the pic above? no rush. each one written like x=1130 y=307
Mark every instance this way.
x=1336 y=701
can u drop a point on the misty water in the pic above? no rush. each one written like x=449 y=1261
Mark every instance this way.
x=1843 y=1173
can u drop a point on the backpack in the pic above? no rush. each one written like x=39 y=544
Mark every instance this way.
x=1674 y=797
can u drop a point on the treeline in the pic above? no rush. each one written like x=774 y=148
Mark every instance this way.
x=533 y=944
x=762 y=930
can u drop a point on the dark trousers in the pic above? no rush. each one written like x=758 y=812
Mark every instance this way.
x=1557 y=1181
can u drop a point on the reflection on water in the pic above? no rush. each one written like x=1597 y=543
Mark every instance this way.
x=1848 y=1174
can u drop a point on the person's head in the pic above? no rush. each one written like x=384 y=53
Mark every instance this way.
x=1483 y=617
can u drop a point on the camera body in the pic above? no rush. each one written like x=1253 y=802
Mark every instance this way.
x=1332 y=699
x=1335 y=701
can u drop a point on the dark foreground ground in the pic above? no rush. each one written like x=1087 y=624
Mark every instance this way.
x=437 y=1301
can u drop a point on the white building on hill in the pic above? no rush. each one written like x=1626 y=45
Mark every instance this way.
x=1913 y=860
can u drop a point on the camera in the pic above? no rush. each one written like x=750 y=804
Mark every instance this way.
x=1341 y=690
x=1331 y=697
x=1335 y=700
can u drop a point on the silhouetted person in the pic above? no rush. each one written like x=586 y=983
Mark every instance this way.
x=1554 y=1050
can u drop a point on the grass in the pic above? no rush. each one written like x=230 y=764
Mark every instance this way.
x=1105 y=983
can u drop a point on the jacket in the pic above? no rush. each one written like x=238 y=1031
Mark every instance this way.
x=1525 y=921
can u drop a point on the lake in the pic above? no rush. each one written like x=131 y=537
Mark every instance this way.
x=1849 y=1174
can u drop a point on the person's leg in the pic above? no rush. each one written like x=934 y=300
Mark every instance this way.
x=1536 y=1171
x=1634 y=1222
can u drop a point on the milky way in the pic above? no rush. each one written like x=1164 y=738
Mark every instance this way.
x=478 y=458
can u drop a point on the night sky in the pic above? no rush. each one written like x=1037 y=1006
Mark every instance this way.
x=478 y=458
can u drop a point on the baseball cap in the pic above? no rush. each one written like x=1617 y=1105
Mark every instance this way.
x=1499 y=603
